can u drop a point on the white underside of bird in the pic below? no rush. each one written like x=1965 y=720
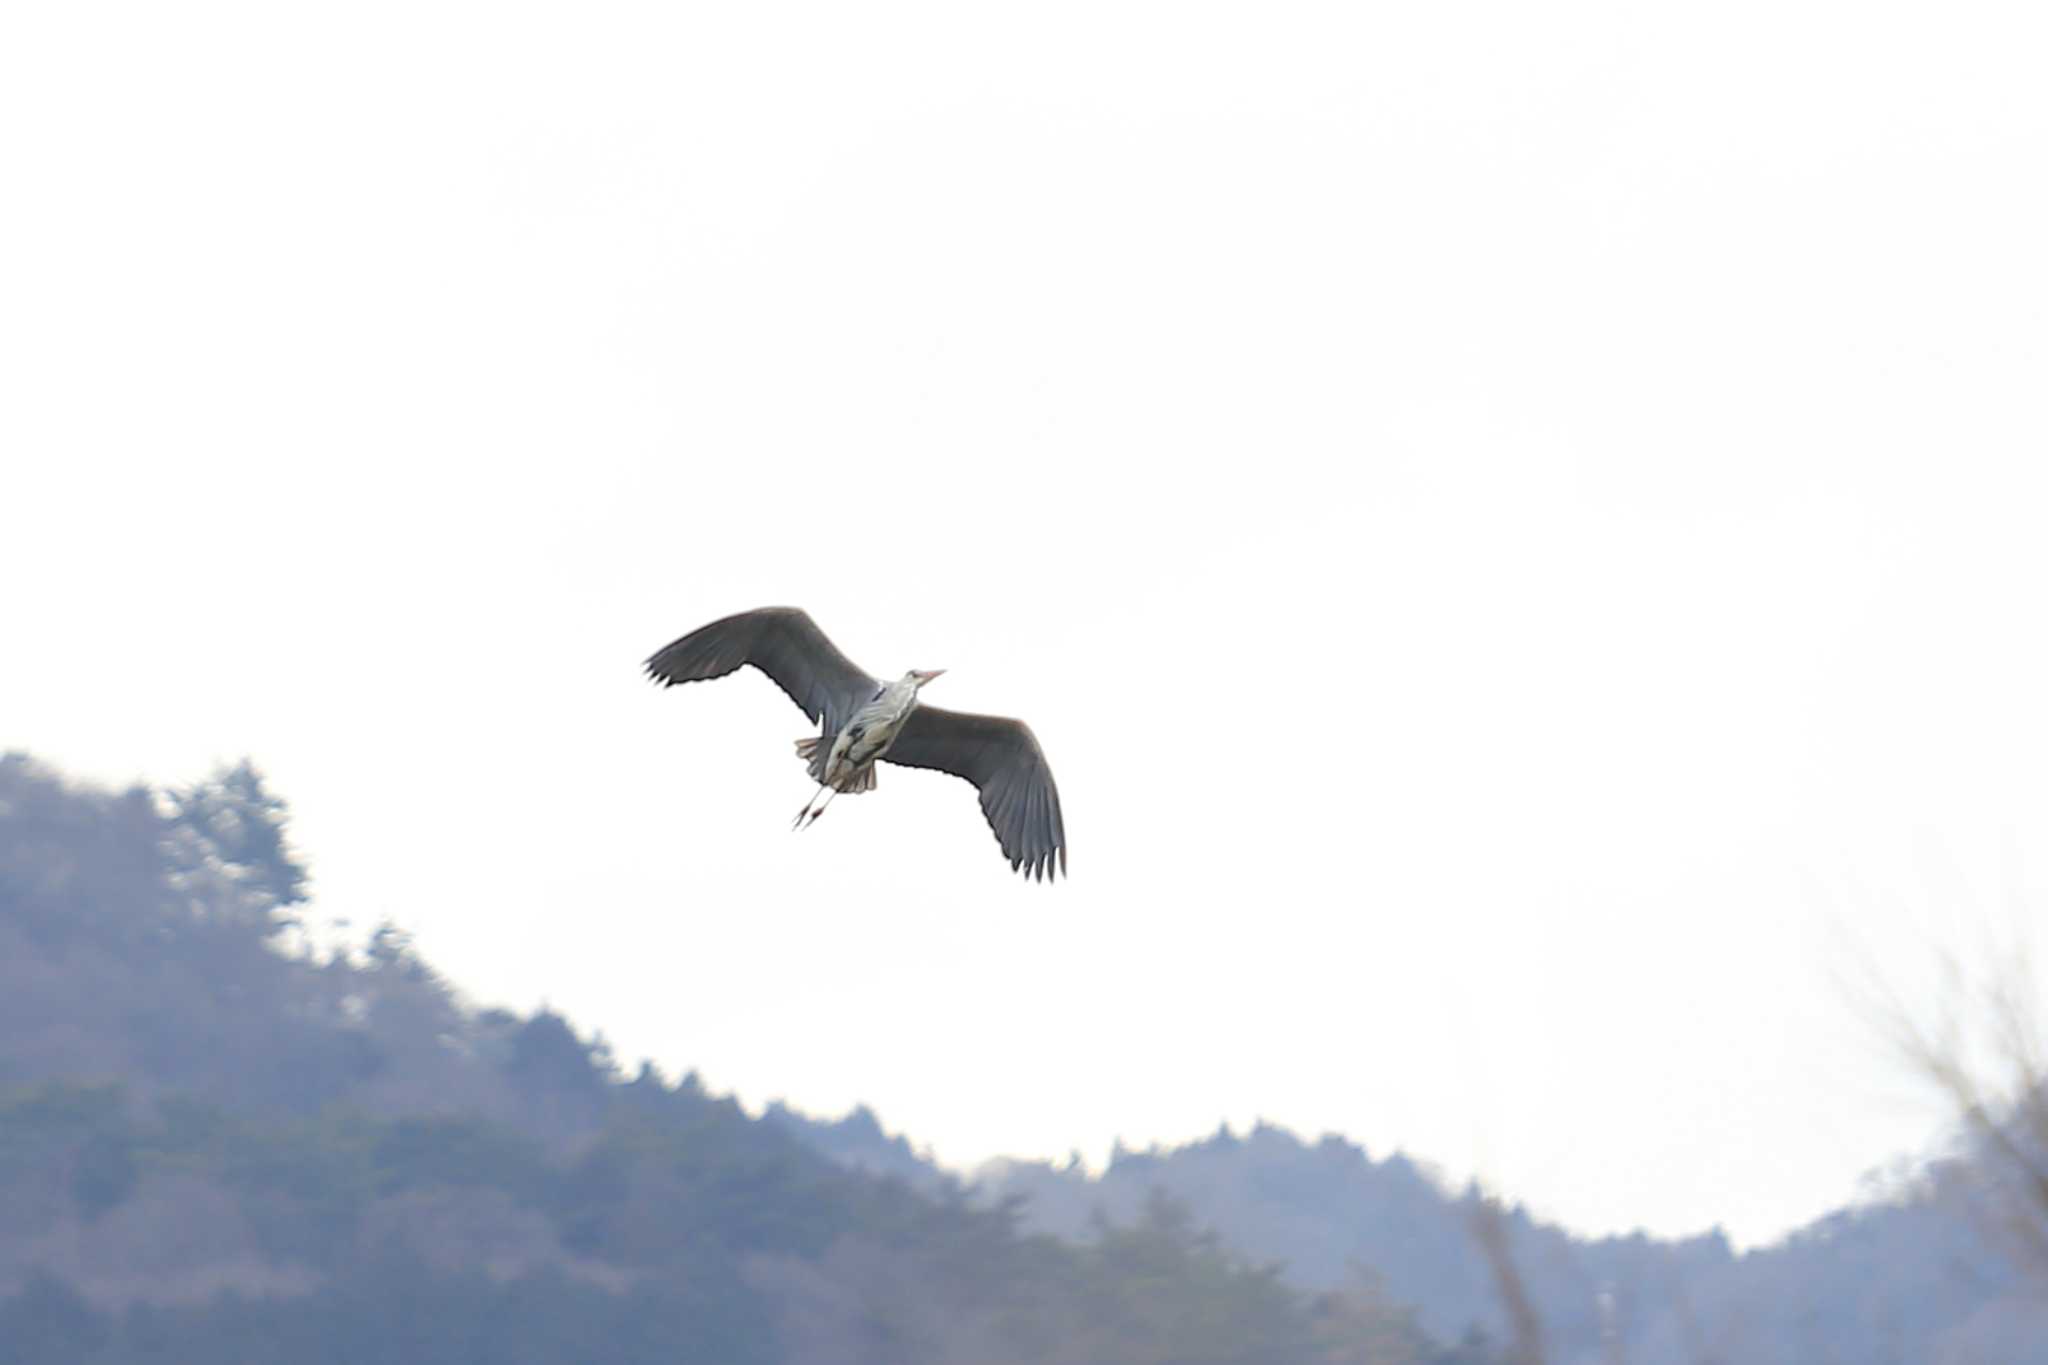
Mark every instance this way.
x=849 y=764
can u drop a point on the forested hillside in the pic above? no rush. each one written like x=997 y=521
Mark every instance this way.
x=219 y=1144
x=1919 y=1276
x=1922 y=1275
x=216 y=1144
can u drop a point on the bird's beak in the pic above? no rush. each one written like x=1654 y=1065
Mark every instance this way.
x=925 y=675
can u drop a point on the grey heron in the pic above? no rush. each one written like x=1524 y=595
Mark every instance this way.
x=862 y=720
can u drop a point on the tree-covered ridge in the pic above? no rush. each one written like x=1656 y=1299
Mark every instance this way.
x=217 y=1143
x=1927 y=1271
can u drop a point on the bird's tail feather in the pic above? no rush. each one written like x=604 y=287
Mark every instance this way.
x=813 y=750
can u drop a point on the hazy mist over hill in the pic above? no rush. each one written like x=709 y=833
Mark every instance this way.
x=223 y=1144
x=1515 y=525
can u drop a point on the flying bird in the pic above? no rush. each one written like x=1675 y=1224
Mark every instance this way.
x=863 y=720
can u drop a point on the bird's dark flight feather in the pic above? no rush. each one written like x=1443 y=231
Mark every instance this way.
x=1001 y=757
x=783 y=642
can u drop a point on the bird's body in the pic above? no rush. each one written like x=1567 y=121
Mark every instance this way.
x=847 y=763
x=863 y=721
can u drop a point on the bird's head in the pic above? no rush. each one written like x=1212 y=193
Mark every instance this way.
x=921 y=676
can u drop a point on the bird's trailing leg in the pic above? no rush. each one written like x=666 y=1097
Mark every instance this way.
x=806 y=824
x=798 y=823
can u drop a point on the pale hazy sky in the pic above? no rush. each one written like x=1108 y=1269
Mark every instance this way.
x=1520 y=529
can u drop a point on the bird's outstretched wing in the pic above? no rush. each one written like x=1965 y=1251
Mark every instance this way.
x=1001 y=757
x=783 y=642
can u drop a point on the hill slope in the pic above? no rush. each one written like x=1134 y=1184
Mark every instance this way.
x=214 y=1146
